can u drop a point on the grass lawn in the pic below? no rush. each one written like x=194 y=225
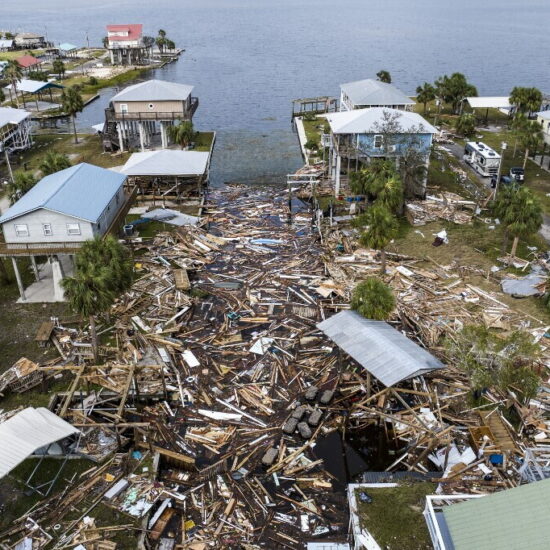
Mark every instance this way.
x=394 y=517
x=314 y=129
x=203 y=141
x=19 y=322
x=18 y=499
x=472 y=245
x=7 y=56
x=89 y=149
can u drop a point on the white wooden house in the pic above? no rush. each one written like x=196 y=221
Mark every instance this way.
x=367 y=93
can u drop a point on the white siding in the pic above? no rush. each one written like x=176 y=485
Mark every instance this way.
x=34 y=221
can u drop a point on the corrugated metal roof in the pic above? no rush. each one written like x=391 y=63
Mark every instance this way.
x=8 y=115
x=155 y=90
x=29 y=430
x=368 y=121
x=380 y=349
x=514 y=519
x=27 y=61
x=82 y=191
x=166 y=162
x=374 y=92
x=33 y=86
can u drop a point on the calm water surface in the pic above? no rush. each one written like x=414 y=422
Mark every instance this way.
x=249 y=59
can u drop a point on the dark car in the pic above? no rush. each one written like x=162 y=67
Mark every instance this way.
x=504 y=180
x=517 y=173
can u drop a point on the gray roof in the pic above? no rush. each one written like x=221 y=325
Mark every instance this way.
x=9 y=115
x=513 y=519
x=82 y=191
x=380 y=349
x=6 y=43
x=373 y=92
x=371 y=120
x=34 y=86
x=155 y=90
x=28 y=431
x=167 y=162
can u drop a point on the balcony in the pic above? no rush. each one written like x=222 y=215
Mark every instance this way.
x=186 y=114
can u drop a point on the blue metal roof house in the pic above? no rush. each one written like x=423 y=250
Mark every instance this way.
x=69 y=206
x=360 y=135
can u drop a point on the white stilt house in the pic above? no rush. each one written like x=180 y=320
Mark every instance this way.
x=15 y=130
x=139 y=115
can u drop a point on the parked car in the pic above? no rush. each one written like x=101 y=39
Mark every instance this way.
x=517 y=173
x=504 y=180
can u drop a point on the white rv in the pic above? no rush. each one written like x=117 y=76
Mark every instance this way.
x=482 y=158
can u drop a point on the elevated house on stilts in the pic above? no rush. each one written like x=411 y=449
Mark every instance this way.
x=139 y=116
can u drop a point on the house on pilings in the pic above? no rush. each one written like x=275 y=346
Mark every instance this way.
x=126 y=44
x=139 y=116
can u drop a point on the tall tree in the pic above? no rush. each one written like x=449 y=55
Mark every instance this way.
x=59 y=68
x=526 y=100
x=466 y=124
x=102 y=272
x=161 y=40
x=54 y=162
x=381 y=229
x=384 y=76
x=182 y=133
x=425 y=94
x=523 y=216
x=21 y=184
x=530 y=138
x=453 y=89
x=2 y=96
x=373 y=299
x=518 y=127
x=14 y=73
x=72 y=104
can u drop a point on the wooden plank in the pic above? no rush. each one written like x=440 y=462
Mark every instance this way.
x=44 y=332
x=182 y=279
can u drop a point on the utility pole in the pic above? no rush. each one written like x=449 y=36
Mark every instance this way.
x=503 y=147
x=3 y=148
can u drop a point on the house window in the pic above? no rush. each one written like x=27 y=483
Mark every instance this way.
x=47 y=228
x=151 y=106
x=378 y=141
x=123 y=108
x=21 y=230
x=73 y=229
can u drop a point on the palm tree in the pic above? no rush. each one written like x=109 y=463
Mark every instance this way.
x=526 y=100
x=518 y=127
x=54 y=162
x=466 y=124
x=182 y=133
x=523 y=216
x=170 y=45
x=161 y=40
x=59 y=67
x=21 y=184
x=2 y=96
x=531 y=138
x=384 y=76
x=503 y=209
x=382 y=228
x=453 y=89
x=88 y=294
x=425 y=94
x=72 y=104
x=102 y=272
x=370 y=180
x=373 y=299
x=14 y=73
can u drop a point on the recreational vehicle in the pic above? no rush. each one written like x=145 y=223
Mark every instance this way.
x=482 y=158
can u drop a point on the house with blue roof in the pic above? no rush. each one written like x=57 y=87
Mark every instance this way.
x=73 y=205
x=62 y=211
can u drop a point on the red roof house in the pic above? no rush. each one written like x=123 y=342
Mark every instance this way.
x=125 y=33
x=27 y=61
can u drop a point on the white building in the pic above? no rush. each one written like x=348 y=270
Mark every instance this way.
x=367 y=93
x=543 y=118
x=62 y=211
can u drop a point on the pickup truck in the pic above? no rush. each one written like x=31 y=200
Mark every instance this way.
x=517 y=173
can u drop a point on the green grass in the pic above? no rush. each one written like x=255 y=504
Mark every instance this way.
x=17 y=498
x=394 y=517
x=149 y=230
x=203 y=141
x=7 y=56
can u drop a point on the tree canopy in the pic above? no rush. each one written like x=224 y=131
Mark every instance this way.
x=453 y=89
x=72 y=104
x=373 y=299
x=384 y=76
x=54 y=162
x=526 y=100
x=21 y=184
x=466 y=124
x=425 y=94
x=182 y=133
